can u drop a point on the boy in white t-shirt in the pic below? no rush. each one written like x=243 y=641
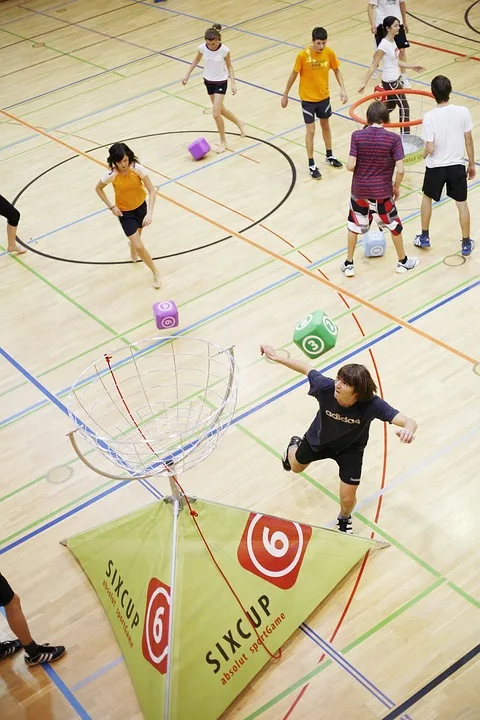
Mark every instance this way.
x=447 y=131
x=377 y=11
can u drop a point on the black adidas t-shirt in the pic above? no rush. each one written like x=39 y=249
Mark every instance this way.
x=338 y=427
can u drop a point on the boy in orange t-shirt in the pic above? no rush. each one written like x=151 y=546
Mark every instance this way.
x=313 y=65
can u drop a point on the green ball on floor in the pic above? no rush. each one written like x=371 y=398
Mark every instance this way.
x=315 y=334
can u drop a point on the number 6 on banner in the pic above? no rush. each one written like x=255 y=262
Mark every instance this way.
x=156 y=625
x=273 y=549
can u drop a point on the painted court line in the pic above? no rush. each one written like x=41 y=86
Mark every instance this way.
x=438 y=680
x=338 y=657
x=267 y=251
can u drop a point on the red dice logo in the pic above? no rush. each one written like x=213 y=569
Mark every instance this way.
x=156 y=625
x=273 y=549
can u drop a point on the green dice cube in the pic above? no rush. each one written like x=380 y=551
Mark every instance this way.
x=315 y=334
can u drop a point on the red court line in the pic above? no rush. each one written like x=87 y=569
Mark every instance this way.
x=444 y=50
x=309 y=273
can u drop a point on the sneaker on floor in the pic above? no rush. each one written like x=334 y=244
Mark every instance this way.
x=467 y=247
x=9 y=647
x=421 y=241
x=345 y=525
x=47 y=654
x=347 y=268
x=294 y=440
x=405 y=81
x=410 y=263
x=315 y=172
x=332 y=160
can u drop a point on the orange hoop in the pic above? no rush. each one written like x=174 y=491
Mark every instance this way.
x=380 y=96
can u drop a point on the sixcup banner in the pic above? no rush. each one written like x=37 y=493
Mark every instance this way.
x=280 y=569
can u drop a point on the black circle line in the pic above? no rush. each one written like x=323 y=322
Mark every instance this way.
x=183 y=252
x=466 y=18
x=448 y=32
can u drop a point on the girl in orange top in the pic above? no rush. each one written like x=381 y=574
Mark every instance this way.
x=129 y=180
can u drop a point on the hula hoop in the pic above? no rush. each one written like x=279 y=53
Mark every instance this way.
x=379 y=96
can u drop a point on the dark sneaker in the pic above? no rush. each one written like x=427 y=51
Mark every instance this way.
x=332 y=160
x=9 y=647
x=295 y=440
x=315 y=172
x=345 y=525
x=47 y=654
x=421 y=241
x=467 y=247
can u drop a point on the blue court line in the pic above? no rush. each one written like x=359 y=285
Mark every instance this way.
x=175 y=82
x=237 y=419
x=66 y=692
x=280 y=42
x=98 y=673
x=126 y=100
x=341 y=660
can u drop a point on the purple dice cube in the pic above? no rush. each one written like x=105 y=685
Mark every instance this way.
x=198 y=148
x=165 y=314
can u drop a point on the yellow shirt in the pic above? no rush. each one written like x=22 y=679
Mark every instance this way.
x=128 y=188
x=313 y=68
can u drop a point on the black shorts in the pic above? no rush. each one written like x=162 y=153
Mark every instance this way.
x=311 y=110
x=400 y=39
x=349 y=461
x=132 y=220
x=216 y=88
x=453 y=176
x=9 y=211
x=6 y=592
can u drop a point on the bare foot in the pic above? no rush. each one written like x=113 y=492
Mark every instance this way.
x=220 y=148
x=18 y=250
x=241 y=127
x=156 y=281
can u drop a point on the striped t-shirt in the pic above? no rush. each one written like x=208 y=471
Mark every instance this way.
x=377 y=150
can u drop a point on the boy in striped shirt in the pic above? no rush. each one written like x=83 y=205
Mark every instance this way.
x=375 y=154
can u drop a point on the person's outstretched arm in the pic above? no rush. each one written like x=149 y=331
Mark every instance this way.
x=298 y=365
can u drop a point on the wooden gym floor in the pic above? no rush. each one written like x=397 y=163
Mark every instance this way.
x=86 y=73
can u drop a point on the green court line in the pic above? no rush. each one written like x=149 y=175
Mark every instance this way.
x=52 y=514
x=60 y=52
x=378 y=530
x=326 y=663
x=64 y=295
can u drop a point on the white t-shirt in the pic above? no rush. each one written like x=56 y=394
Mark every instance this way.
x=446 y=126
x=384 y=8
x=391 y=68
x=214 y=67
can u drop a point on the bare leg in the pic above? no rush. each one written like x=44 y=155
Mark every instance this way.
x=309 y=139
x=464 y=217
x=426 y=212
x=348 y=498
x=326 y=132
x=233 y=118
x=217 y=102
x=12 y=240
x=398 y=243
x=17 y=621
x=137 y=244
x=352 y=244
